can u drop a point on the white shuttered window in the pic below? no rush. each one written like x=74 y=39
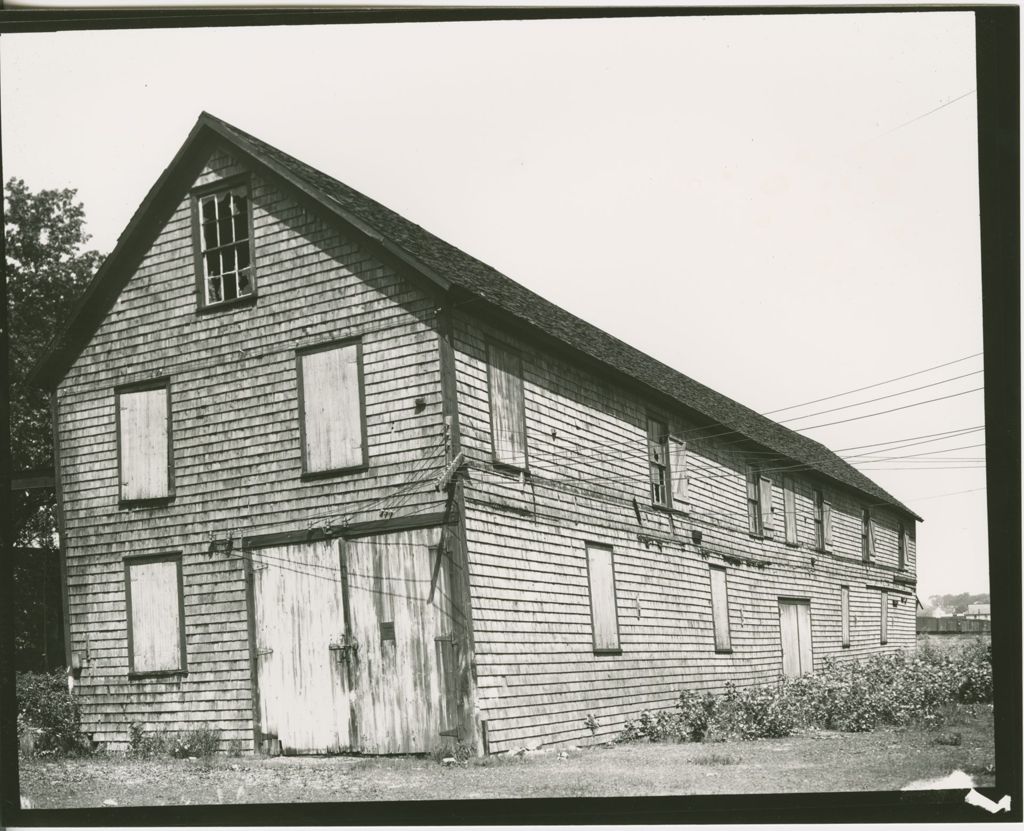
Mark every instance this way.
x=143 y=417
x=333 y=435
x=153 y=590
x=508 y=415
x=720 y=610
x=604 y=614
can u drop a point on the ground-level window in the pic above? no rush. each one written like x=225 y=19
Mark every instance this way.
x=332 y=420
x=884 y=628
x=507 y=406
x=720 y=609
x=223 y=234
x=156 y=614
x=844 y=595
x=603 y=609
x=143 y=440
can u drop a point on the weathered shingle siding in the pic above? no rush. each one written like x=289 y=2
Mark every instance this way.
x=538 y=678
x=236 y=445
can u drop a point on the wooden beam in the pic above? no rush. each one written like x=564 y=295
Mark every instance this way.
x=356 y=529
x=27 y=480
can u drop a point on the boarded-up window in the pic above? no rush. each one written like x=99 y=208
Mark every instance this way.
x=789 y=503
x=884 y=629
x=143 y=441
x=844 y=602
x=333 y=428
x=603 y=610
x=867 y=535
x=155 y=608
x=720 y=610
x=657 y=460
x=508 y=413
x=677 y=468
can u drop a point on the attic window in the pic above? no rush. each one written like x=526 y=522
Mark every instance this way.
x=222 y=219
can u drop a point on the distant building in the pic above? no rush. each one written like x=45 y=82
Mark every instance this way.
x=979 y=611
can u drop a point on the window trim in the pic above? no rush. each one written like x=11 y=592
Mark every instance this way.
x=883 y=622
x=752 y=479
x=726 y=650
x=790 y=523
x=163 y=382
x=616 y=650
x=902 y=546
x=494 y=343
x=867 y=536
x=145 y=559
x=195 y=195
x=308 y=475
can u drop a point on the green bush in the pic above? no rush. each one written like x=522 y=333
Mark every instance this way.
x=199 y=742
x=48 y=714
x=853 y=696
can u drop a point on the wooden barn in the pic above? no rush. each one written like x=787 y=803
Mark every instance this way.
x=329 y=484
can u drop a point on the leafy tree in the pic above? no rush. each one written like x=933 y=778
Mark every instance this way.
x=955 y=603
x=47 y=268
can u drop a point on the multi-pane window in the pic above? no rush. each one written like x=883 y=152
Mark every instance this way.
x=332 y=420
x=155 y=611
x=720 y=609
x=603 y=609
x=225 y=251
x=507 y=405
x=143 y=441
x=759 y=501
x=822 y=521
x=789 y=503
x=867 y=536
x=657 y=457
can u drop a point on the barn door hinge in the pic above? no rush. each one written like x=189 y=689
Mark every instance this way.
x=263 y=653
x=258 y=566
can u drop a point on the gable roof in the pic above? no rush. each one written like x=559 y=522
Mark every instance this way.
x=448 y=267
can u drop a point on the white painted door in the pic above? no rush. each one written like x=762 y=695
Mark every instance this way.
x=400 y=617
x=795 y=626
x=304 y=702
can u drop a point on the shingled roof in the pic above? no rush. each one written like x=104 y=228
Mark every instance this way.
x=449 y=266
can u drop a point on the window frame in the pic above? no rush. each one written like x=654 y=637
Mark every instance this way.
x=755 y=513
x=666 y=468
x=883 y=623
x=617 y=649
x=727 y=648
x=300 y=353
x=902 y=544
x=867 y=536
x=844 y=616
x=790 y=517
x=198 y=193
x=819 y=519
x=491 y=345
x=146 y=559
x=148 y=385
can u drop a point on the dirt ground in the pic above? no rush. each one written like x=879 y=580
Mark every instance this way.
x=886 y=759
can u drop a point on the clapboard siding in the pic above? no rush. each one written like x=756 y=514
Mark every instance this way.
x=527 y=537
x=236 y=443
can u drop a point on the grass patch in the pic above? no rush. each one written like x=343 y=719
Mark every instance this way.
x=714 y=759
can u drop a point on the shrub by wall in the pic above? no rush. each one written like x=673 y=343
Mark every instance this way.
x=48 y=716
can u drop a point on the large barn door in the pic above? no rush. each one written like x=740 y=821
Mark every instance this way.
x=304 y=703
x=795 y=625
x=400 y=618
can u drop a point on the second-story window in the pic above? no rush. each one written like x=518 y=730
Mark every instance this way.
x=759 y=501
x=224 y=249
x=822 y=521
x=144 y=441
x=657 y=457
x=332 y=415
x=867 y=536
x=789 y=503
x=902 y=543
x=508 y=408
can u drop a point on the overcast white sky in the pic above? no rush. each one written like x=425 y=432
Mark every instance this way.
x=773 y=205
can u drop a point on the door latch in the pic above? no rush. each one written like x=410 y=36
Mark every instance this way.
x=345 y=648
